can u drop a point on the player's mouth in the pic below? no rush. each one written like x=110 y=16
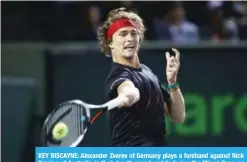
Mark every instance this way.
x=129 y=47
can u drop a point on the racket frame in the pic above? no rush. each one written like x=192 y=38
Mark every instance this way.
x=114 y=103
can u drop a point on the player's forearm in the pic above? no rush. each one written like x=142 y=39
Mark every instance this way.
x=177 y=106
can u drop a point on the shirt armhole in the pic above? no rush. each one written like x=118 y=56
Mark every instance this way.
x=114 y=82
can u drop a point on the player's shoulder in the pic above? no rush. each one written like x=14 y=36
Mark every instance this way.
x=118 y=68
x=149 y=71
x=146 y=68
x=117 y=71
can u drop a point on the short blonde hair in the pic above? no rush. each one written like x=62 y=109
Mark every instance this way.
x=112 y=16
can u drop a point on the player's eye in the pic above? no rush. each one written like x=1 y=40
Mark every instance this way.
x=134 y=33
x=124 y=33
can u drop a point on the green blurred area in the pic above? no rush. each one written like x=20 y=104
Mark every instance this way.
x=35 y=77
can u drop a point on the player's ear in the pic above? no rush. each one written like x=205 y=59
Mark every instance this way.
x=110 y=45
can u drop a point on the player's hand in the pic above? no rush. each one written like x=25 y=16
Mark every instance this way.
x=172 y=66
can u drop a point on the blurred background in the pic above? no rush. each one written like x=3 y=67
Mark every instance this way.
x=77 y=21
x=50 y=54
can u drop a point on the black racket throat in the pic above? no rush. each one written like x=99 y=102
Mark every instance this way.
x=95 y=117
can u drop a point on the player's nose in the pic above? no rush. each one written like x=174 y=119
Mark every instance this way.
x=129 y=37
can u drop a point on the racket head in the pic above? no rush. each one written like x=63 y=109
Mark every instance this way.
x=75 y=114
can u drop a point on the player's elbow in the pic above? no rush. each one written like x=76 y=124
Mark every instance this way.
x=180 y=118
x=136 y=94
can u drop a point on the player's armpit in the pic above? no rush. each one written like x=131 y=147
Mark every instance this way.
x=128 y=93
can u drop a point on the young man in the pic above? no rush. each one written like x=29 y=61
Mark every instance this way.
x=140 y=119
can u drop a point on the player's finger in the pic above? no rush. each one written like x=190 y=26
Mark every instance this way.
x=167 y=56
x=172 y=59
x=177 y=53
x=172 y=64
x=172 y=69
x=169 y=70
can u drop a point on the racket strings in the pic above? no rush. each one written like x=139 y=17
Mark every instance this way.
x=56 y=117
x=72 y=120
x=76 y=117
x=79 y=121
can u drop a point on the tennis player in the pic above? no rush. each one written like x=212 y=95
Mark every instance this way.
x=140 y=119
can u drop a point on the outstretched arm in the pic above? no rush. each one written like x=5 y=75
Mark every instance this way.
x=128 y=93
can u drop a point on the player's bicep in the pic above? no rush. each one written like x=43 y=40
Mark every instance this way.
x=112 y=87
x=112 y=84
x=127 y=84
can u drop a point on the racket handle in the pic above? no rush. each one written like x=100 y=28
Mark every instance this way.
x=113 y=103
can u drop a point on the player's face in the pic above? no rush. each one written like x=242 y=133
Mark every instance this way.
x=125 y=42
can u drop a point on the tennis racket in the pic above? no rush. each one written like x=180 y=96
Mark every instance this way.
x=76 y=115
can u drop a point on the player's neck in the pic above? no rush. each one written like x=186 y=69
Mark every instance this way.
x=134 y=62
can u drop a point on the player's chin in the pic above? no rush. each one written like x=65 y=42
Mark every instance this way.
x=129 y=55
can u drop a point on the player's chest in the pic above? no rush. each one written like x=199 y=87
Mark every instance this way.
x=146 y=81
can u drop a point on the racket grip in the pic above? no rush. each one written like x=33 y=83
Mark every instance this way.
x=113 y=103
